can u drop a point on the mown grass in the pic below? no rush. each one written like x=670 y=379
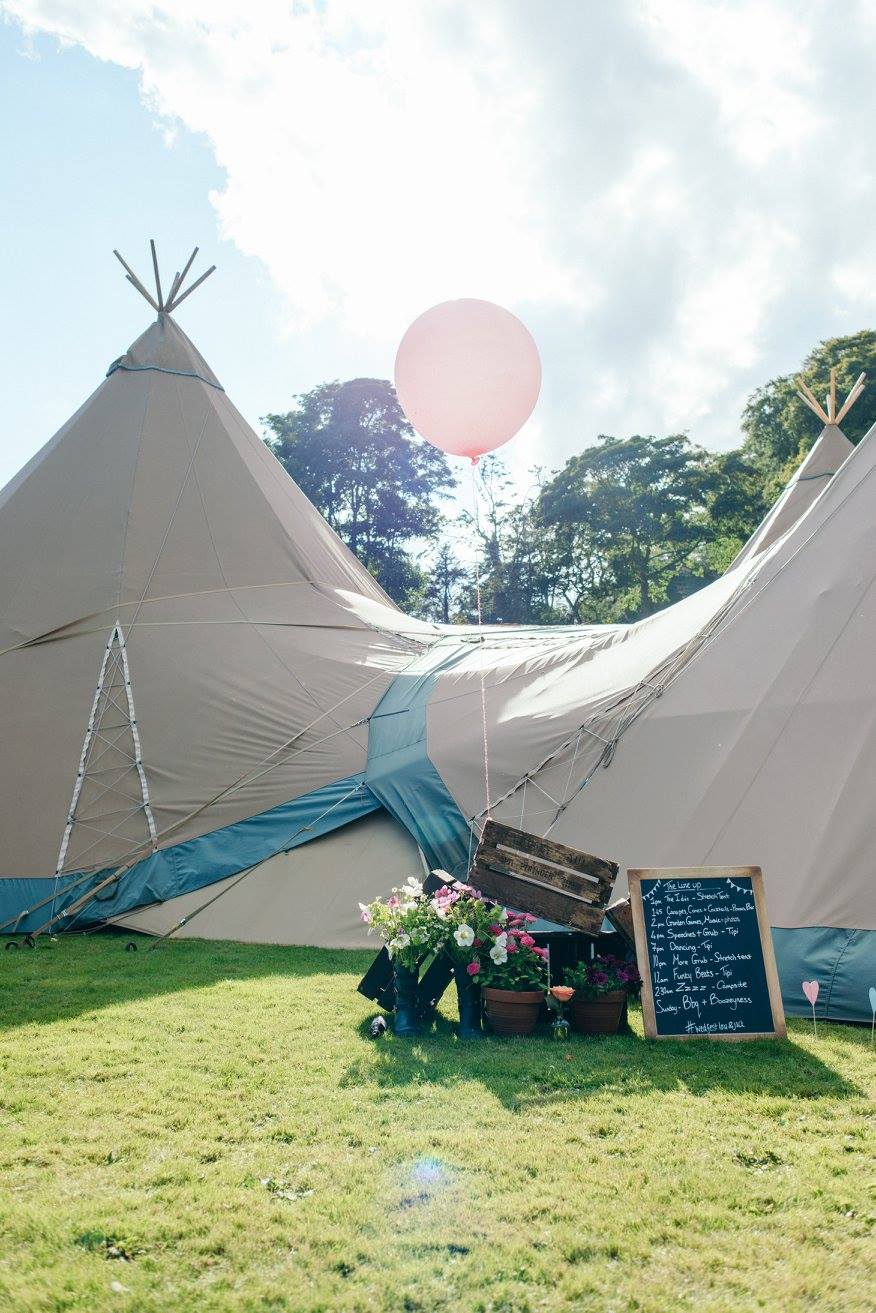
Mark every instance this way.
x=208 y=1127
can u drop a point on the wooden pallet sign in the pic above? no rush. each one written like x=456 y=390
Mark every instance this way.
x=705 y=953
x=544 y=878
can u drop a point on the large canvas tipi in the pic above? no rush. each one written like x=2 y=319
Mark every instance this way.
x=210 y=710
x=189 y=658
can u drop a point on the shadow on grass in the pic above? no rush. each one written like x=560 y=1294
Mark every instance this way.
x=539 y=1071
x=64 y=979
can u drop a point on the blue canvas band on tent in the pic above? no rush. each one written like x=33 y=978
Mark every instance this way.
x=195 y=863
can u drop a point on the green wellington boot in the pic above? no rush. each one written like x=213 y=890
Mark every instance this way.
x=469 y=997
x=405 y=1018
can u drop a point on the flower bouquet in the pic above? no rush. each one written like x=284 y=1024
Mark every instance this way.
x=467 y=916
x=494 y=947
x=411 y=930
x=601 y=989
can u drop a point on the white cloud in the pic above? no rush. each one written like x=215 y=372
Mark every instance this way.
x=674 y=194
x=754 y=59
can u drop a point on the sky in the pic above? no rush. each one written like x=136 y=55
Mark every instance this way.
x=676 y=196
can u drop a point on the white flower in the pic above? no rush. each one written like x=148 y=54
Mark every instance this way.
x=464 y=936
x=501 y=940
x=498 y=954
x=440 y=912
x=400 y=941
x=413 y=888
x=503 y=916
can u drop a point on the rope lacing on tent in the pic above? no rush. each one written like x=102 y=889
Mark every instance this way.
x=632 y=704
x=161 y=369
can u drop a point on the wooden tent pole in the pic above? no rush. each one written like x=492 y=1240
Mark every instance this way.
x=196 y=283
x=157 y=279
x=132 y=278
x=856 y=390
x=182 y=277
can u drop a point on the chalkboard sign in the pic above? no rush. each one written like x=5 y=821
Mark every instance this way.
x=705 y=953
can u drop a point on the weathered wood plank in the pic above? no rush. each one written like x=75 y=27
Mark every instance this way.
x=496 y=835
x=620 y=914
x=537 y=899
x=595 y=890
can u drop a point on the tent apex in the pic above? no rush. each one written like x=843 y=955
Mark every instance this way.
x=158 y=301
x=830 y=416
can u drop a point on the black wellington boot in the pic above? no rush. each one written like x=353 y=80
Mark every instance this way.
x=405 y=1018
x=469 y=997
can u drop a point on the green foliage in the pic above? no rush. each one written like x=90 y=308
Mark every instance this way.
x=604 y=975
x=220 y=1108
x=443 y=595
x=351 y=451
x=625 y=527
x=642 y=502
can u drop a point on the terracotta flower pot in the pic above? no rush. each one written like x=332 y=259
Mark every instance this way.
x=598 y=1016
x=512 y=1011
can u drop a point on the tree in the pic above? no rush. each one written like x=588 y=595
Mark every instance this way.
x=737 y=504
x=442 y=597
x=780 y=429
x=350 y=449
x=643 y=502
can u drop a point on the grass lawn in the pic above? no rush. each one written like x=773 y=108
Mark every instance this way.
x=207 y=1127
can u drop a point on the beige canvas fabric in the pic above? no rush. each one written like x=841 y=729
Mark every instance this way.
x=307 y=896
x=808 y=483
x=257 y=644
x=736 y=727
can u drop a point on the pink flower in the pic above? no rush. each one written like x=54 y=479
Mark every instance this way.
x=510 y=946
x=495 y=929
x=473 y=968
x=528 y=918
x=478 y=943
x=527 y=941
x=392 y=902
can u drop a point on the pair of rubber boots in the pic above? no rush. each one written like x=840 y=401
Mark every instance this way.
x=406 y=1022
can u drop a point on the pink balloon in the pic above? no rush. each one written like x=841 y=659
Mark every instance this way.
x=810 y=989
x=467 y=374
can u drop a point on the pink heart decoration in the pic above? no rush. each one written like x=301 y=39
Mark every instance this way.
x=810 y=989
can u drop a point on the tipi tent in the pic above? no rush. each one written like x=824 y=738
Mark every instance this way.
x=189 y=654
x=173 y=601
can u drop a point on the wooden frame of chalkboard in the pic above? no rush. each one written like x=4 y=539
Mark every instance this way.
x=643 y=954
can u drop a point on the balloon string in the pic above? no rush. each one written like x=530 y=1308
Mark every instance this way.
x=477 y=520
